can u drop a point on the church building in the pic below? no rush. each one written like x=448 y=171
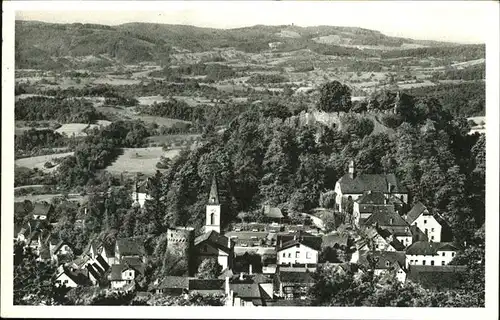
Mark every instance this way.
x=212 y=244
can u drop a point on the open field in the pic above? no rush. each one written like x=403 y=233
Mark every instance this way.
x=48 y=197
x=143 y=160
x=39 y=162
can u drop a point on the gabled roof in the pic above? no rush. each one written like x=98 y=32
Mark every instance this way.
x=384 y=259
x=415 y=212
x=272 y=212
x=311 y=242
x=213 y=238
x=78 y=277
x=130 y=247
x=102 y=262
x=374 y=182
x=385 y=216
x=395 y=243
x=291 y=277
x=95 y=273
x=372 y=197
x=246 y=290
x=134 y=263
x=429 y=248
x=117 y=269
x=41 y=208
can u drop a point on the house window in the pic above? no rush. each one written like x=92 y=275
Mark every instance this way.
x=212 y=218
x=423 y=262
x=425 y=221
x=443 y=254
x=453 y=254
x=289 y=255
x=297 y=255
x=308 y=255
x=432 y=262
x=426 y=231
x=432 y=237
x=442 y=263
x=65 y=281
x=387 y=263
x=432 y=229
x=284 y=254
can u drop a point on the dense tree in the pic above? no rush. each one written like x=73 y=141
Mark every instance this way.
x=209 y=269
x=334 y=97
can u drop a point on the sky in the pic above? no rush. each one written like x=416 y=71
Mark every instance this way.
x=461 y=21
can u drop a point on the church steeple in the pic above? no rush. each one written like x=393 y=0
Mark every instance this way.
x=213 y=213
x=213 y=198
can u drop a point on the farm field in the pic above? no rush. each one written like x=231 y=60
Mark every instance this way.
x=78 y=129
x=140 y=160
x=39 y=162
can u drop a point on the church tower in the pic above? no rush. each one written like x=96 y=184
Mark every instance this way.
x=212 y=221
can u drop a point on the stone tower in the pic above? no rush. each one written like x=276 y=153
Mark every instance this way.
x=213 y=212
x=180 y=242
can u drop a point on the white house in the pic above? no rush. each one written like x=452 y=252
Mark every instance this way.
x=420 y=217
x=123 y=275
x=297 y=251
x=70 y=279
x=140 y=194
x=430 y=253
x=352 y=186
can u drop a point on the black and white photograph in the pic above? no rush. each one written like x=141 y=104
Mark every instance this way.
x=251 y=154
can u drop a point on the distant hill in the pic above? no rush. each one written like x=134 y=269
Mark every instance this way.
x=52 y=46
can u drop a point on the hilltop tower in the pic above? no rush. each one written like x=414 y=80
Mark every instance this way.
x=213 y=212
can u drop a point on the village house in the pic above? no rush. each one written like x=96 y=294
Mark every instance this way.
x=383 y=262
x=420 y=217
x=386 y=218
x=370 y=202
x=249 y=290
x=299 y=250
x=430 y=253
x=352 y=186
x=274 y=214
x=130 y=248
x=140 y=193
x=215 y=245
x=42 y=210
x=60 y=251
x=292 y=284
x=123 y=275
x=70 y=278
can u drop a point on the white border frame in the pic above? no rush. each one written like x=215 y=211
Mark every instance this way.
x=8 y=310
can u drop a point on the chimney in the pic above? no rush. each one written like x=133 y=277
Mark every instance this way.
x=295 y=237
x=241 y=276
x=250 y=269
x=389 y=187
x=351 y=169
x=227 y=285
